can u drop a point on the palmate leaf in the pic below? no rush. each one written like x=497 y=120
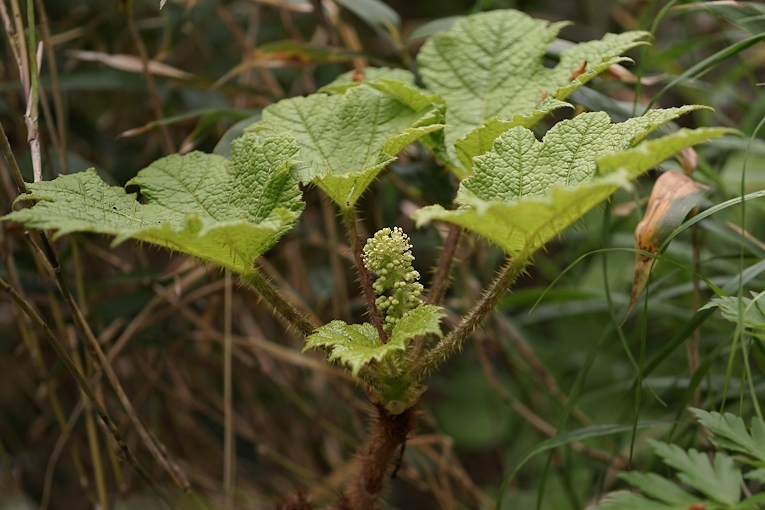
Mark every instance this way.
x=346 y=139
x=720 y=482
x=525 y=192
x=356 y=345
x=223 y=211
x=729 y=432
x=489 y=67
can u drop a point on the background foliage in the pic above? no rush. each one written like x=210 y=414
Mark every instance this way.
x=573 y=363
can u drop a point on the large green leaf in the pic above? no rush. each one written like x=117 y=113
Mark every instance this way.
x=223 y=211
x=346 y=139
x=490 y=66
x=525 y=192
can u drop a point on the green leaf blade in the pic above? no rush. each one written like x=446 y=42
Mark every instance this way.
x=221 y=211
x=730 y=432
x=523 y=193
x=660 y=488
x=346 y=139
x=491 y=65
x=753 y=312
x=720 y=482
x=423 y=320
x=354 y=345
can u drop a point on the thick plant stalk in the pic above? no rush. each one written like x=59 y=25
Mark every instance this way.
x=389 y=434
x=452 y=342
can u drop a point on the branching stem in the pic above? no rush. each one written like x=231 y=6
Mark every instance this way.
x=453 y=342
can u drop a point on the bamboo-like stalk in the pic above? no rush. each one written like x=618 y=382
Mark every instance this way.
x=33 y=97
x=61 y=134
x=93 y=445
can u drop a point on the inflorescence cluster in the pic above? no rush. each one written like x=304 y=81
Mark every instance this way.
x=388 y=255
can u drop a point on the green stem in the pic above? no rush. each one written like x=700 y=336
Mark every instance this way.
x=453 y=342
x=287 y=311
x=366 y=283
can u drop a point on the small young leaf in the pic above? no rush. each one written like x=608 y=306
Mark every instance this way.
x=423 y=320
x=225 y=212
x=347 y=139
x=730 y=433
x=356 y=345
x=720 y=482
x=754 y=311
x=491 y=65
x=525 y=192
x=369 y=75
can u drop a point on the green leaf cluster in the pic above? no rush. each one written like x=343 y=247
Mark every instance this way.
x=489 y=69
x=705 y=483
x=485 y=85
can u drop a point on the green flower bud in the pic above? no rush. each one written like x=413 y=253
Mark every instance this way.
x=388 y=255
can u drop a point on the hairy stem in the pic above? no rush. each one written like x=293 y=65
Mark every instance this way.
x=452 y=342
x=287 y=311
x=441 y=277
x=366 y=283
x=389 y=434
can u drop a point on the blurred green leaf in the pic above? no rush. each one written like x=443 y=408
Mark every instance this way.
x=753 y=311
x=729 y=432
x=720 y=482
